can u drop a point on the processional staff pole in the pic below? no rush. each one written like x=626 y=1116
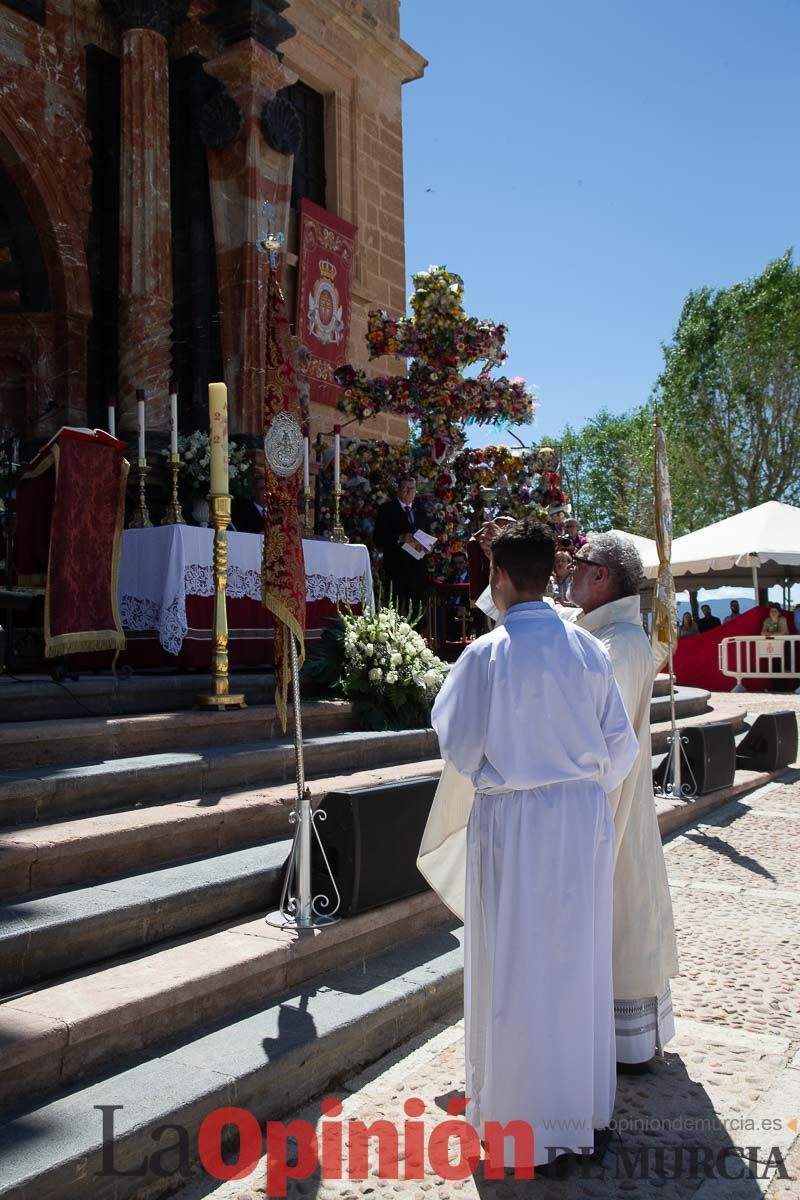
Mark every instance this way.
x=299 y=908
x=664 y=614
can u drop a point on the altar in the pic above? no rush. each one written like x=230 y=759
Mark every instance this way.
x=166 y=594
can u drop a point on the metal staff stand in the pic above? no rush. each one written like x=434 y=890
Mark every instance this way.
x=677 y=761
x=299 y=908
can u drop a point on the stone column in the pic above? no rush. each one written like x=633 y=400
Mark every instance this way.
x=145 y=267
x=244 y=171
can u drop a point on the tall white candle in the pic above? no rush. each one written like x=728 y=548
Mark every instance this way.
x=112 y=416
x=173 y=418
x=218 y=427
x=306 y=476
x=336 y=455
x=140 y=407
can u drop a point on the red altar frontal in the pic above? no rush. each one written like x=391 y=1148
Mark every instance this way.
x=166 y=594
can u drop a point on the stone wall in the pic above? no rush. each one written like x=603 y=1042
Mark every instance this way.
x=349 y=50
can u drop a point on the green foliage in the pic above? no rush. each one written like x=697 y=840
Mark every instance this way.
x=730 y=393
x=607 y=470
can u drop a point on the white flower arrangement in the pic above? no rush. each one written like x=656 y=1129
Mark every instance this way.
x=388 y=670
x=194 y=453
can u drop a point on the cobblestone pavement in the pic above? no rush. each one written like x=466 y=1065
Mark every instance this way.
x=730 y=1078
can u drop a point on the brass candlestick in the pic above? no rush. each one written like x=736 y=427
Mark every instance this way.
x=308 y=524
x=141 y=517
x=338 y=528
x=219 y=697
x=174 y=514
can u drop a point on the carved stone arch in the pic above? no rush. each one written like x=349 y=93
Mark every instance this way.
x=57 y=337
x=28 y=162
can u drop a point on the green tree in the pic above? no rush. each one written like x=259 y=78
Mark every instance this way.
x=730 y=396
x=607 y=469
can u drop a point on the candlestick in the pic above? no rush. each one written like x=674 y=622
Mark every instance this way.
x=306 y=478
x=219 y=697
x=174 y=513
x=141 y=517
x=173 y=419
x=112 y=415
x=337 y=429
x=338 y=529
x=140 y=407
x=218 y=433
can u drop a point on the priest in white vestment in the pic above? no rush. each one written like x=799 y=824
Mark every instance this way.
x=605 y=583
x=531 y=715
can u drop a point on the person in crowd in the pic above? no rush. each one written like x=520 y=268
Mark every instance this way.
x=458 y=602
x=708 y=620
x=774 y=624
x=688 y=626
x=542 y=761
x=606 y=573
x=459 y=571
x=559 y=586
x=247 y=512
x=572 y=531
x=396 y=522
x=734 y=613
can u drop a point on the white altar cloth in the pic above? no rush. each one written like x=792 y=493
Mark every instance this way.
x=160 y=567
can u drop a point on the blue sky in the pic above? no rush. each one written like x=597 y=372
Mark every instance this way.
x=584 y=163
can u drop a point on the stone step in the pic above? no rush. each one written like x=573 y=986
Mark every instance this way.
x=47 y=856
x=661 y=685
x=40 y=698
x=689 y=702
x=661 y=731
x=67 y=1030
x=46 y=935
x=52 y=793
x=26 y=744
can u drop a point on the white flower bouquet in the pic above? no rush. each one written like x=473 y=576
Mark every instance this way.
x=384 y=667
x=195 y=455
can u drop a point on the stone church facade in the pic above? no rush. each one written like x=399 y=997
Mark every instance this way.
x=138 y=142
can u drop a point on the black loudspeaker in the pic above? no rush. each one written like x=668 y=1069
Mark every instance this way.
x=711 y=753
x=371 y=836
x=769 y=743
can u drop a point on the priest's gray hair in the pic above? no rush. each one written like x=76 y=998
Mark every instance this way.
x=624 y=562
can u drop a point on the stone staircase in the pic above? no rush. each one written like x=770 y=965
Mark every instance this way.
x=139 y=854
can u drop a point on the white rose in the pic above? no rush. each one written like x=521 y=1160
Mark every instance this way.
x=396 y=659
x=430 y=678
x=375 y=675
x=391 y=677
x=369 y=649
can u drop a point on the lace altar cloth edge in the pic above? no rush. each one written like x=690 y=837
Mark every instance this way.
x=160 y=567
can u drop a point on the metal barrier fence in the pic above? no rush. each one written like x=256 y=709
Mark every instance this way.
x=760 y=657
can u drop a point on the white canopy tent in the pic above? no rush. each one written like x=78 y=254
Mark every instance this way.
x=758 y=548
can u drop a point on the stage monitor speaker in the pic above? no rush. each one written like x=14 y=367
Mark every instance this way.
x=371 y=836
x=711 y=753
x=770 y=742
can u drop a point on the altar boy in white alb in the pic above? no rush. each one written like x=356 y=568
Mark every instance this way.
x=532 y=715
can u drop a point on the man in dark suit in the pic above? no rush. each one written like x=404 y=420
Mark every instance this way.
x=396 y=522
x=247 y=512
x=708 y=620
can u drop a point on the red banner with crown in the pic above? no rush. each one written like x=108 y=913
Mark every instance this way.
x=324 y=283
